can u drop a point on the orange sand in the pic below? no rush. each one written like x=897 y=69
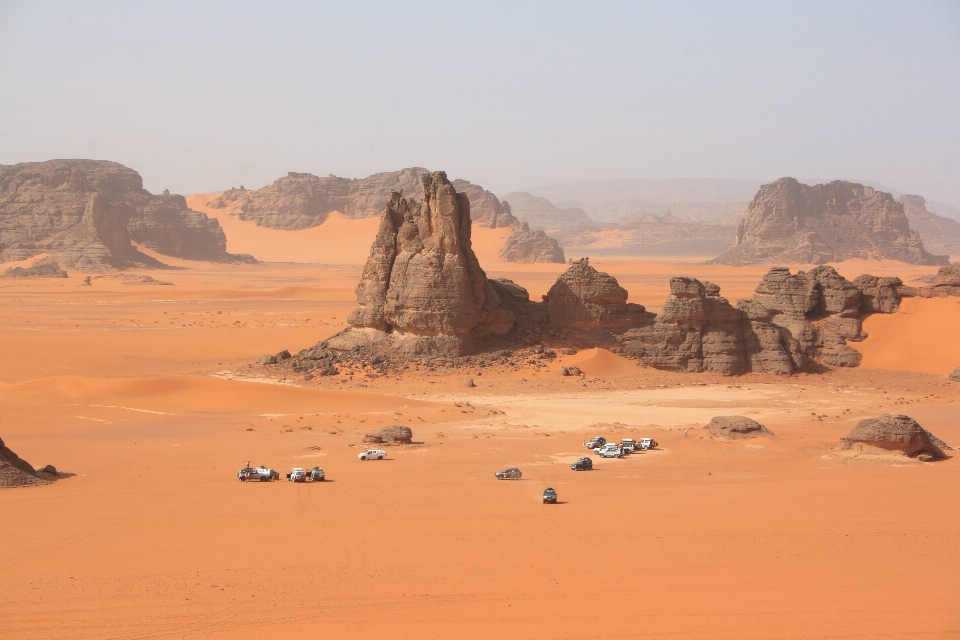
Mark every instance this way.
x=921 y=336
x=145 y=393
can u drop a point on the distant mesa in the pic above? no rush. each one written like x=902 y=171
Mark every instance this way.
x=894 y=435
x=526 y=245
x=940 y=234
x=303 y=201
x=736 y=428
x=790 y=222
x=85 y=213
x=43 y=268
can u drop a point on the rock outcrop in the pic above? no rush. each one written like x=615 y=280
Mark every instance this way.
x=590 y=300
x=893 y=434
x=14 y=471
x=394 y=434
x=792 y=222
x=939 y=234
x=524 y=245
x=85 y=213
x=945 y=284
x=795 y=322
x=736 y=428
x=303 y=200
x=955 y=376
x=43 y=268
x=422 y=290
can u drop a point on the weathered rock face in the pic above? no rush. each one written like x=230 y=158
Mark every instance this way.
x=795 y=322
x=303 y=200
x=940 y=235
x=585 y=298
x=86 y=212
x=736 y=428
x=422 y=290
x=524 y=245
x=15 y=472
x=955 y=376
x=896 y=434
x=792 y=222
x=43 y=268
x=945 y=284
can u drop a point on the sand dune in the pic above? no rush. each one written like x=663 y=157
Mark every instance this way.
x=601 y=363
x=922 y=336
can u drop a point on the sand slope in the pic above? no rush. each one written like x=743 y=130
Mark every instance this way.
x=921 y=336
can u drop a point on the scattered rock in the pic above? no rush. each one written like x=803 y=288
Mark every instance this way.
x=14 y=471
x=267 y=359
x=43 y=268
x=893 y=434
x=736 y=428
x=955 y=376
x=524 y=245
x=471 y=383
x=790 y=222
x=946 y=283
x=283 y=355
x=570 y=371
x=52 y=470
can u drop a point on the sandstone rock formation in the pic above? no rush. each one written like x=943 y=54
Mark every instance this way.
x=587 y=299
x=15 y=472
x=736 y=428
x=86 y=212
x=43 y=268
x=303 y=200
x=394 y=434
x=939 y=234
x=893 y=434
x=955 y=376
x=945 y=284
x=795 y=322
x=422 y=290
x=524 y=245
x=791 y=222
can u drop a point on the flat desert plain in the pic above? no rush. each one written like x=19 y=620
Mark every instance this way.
x=149 y=395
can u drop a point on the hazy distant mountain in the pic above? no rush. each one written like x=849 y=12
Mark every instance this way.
x=939 y=234
x=944 y=209
x=542 y=213
x=705 y=199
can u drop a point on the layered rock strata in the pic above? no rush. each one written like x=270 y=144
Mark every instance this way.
x=422 y=290
x=792 y=222
x=893 y=434
x=85 y=213
x=526 y=245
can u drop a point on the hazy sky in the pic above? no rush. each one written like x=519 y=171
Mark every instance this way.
x=201 y=96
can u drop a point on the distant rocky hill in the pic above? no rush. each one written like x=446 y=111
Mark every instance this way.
x=85 y=213
x=303 y=200
x=939 y=234
x=542 y=213
x=792 y=222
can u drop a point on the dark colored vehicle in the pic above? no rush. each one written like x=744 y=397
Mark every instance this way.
x=549 y=495
x=583 y=464
x=595 y=443
x=316 y=474
x=509 y=474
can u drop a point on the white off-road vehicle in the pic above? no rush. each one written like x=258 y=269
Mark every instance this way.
x=372 y=454
x=297 y=475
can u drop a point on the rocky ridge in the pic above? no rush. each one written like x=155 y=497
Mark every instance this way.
x=940 y=234
x=790 y=222
x=303 y=200
x=85 y=213
x=423 y=295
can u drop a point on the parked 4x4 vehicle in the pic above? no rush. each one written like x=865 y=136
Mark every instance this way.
x=316 y=474
x=297 y=475
x=509 y=474
x=583 y=464
x=609 y=450
x=372 y=454
x=648 y=443
x=549 y=495
x=596 y=442
x=261 y=474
